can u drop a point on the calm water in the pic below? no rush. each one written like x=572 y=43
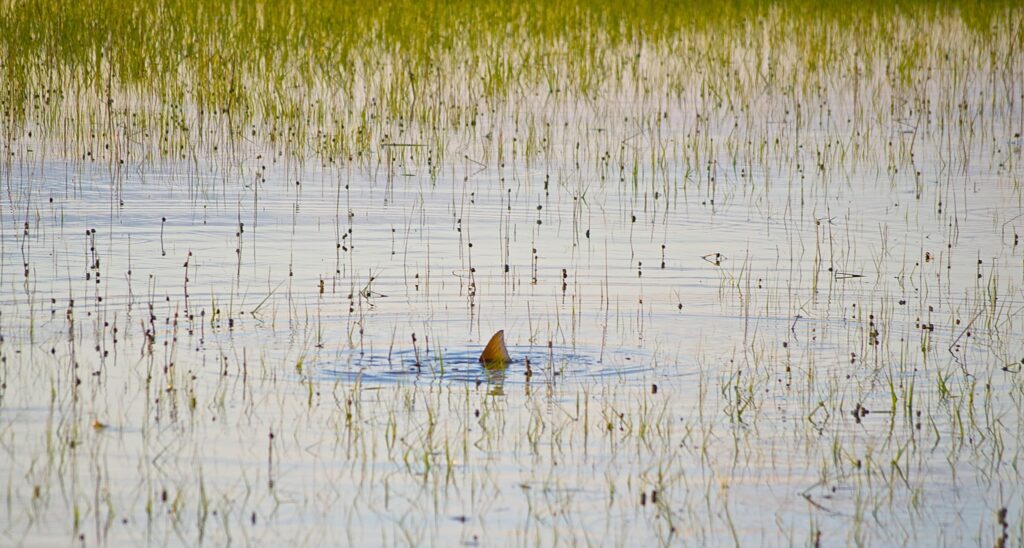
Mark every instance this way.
x=747 y=328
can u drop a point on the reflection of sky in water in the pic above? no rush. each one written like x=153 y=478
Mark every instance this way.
x=693 y=340
x=408 y=236
x=558 y=364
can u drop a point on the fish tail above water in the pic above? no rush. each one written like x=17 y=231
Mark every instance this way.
x=495 y=352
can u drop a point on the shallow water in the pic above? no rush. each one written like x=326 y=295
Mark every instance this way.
x=671 y=369
x=744 y=327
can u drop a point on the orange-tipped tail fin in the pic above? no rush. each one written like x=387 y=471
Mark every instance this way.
x=495 y=352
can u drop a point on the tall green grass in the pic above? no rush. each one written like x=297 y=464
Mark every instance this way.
x=338 y=76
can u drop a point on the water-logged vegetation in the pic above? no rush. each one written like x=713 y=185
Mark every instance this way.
x=758 y=267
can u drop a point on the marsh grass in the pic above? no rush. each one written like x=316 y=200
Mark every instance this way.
x=339 y=80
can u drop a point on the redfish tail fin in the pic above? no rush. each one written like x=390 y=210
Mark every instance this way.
x=495 y=352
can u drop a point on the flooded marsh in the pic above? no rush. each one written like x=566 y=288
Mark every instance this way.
x=759 y=271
